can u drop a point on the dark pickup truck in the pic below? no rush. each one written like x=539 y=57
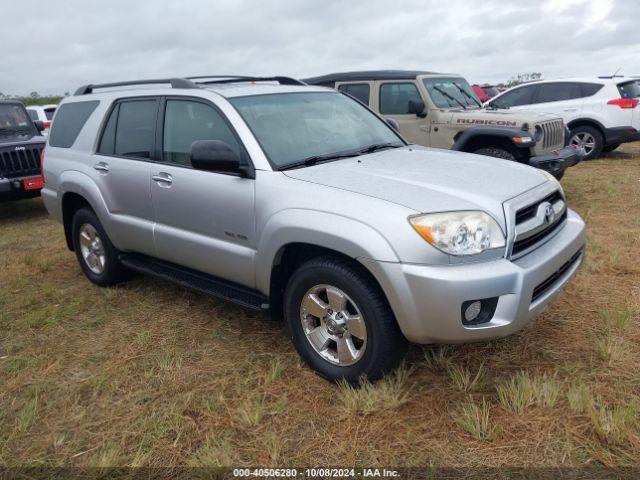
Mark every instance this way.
x=21 y=146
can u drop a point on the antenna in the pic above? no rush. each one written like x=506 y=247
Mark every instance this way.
x=616 y=72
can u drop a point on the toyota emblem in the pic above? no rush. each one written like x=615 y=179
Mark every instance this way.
x=548 y=214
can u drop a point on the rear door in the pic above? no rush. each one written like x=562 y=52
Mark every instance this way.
x=563 y=99
x=518 y=98
x=121 y=168
x=393 y=102
x=204 y=220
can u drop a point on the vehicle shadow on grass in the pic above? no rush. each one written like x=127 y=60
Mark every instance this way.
x=19 y=210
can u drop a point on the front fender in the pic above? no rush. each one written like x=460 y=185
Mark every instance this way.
x=346 y=235
x=502 y=133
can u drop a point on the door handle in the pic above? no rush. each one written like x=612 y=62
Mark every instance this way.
x=101 y=167
x=570 y=109
x=163 y=178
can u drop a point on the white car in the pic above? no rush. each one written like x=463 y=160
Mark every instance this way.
x=44 y=113
x=600 y=112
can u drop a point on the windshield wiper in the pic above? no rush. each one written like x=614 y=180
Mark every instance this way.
x=464 y=92
x=435 y=87
x=379 y=146
x=309 y=161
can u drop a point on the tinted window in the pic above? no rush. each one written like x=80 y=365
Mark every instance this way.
x=49 y=113
x=518 y=96
x=135 y=130
x=557 y=92
x=108 y=141
x=629 y=89
x=187 y=121
x=451 y=92
x=394 y=98
x=589 y=89
x=32 y=114
x=359 y=91
x=70 y=120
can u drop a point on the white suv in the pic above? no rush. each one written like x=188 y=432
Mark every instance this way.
x=44 y=113
x=601 y=112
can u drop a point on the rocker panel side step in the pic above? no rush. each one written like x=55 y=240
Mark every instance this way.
x=197 y=281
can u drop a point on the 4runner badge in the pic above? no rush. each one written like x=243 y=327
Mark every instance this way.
x=479 y=121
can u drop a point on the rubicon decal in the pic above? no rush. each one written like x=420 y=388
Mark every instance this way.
x=479 y=121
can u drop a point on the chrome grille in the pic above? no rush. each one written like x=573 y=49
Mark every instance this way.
x=552 y=134
x=20 y=162
x=537 y=222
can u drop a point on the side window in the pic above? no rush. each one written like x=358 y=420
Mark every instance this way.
x=359 y=91
x=135 y=129
x=557 y=92
x=394 y=98
x=108 y=141
x=589 y=89
x=514 y=98
x=187 y=121
x=33 y=115
x=70 y=119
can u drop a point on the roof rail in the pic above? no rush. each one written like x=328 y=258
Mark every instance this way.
x=241 y=78
x=174 y=82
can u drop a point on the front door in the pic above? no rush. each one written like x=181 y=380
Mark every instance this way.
x=393 y=102
x=204 y=220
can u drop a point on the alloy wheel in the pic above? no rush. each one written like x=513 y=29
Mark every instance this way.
x=92 y=249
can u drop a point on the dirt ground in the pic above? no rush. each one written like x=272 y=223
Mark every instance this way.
x=147 y=374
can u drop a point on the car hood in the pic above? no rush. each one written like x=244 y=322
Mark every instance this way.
x=428 y=180
x=498 y=118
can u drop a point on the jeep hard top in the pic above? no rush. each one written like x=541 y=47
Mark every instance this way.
x=20 y=147
x=299 y=200
x=441 y=110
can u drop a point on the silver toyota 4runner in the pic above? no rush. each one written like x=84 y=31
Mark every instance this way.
x=297 y=199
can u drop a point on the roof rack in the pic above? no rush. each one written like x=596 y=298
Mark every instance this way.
x=240 y=78
x=174 y=82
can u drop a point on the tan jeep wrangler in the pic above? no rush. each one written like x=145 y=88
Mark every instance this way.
x=440 y=110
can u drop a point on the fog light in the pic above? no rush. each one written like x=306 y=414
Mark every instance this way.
x=472 y=311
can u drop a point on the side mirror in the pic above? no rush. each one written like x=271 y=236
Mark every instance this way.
x=393 y=124
x=214 y=156
x=39 y=125
x=417 y=107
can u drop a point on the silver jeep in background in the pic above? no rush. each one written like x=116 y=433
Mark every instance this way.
x=299 y=200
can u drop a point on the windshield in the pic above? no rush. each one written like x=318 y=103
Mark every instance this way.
x=14 y=120
x=292 y=127
x=450 y=92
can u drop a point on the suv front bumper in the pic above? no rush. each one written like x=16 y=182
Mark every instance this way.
x=427 y=300
x=556 y=163
x=19 y=188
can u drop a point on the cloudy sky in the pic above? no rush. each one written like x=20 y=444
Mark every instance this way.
x=55 y=46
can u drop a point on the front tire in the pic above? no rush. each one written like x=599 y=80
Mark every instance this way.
x=340 y=321
x=496 y=152
x=588 y=138
x=97 y=256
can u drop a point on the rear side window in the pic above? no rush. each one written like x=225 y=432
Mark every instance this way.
x=589 y=89
x=130 y=130
x=557 y=92
x=629 y=89
x=70 y=120
x=359 y=91
x=394 y=98
x=49 y=113
x=33 y=115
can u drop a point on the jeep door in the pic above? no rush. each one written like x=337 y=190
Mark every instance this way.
x=204 y=220
x=121 y=169
x=392 y=102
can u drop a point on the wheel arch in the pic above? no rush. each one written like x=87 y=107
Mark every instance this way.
x=579 y=122
x=472 y=139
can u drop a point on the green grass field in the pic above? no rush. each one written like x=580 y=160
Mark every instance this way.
x=147 y=374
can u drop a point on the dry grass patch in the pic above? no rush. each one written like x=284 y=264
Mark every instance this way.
x=463 y=379
x=517 y=393
x=580 y=398
x=389 y=393
x=475 y=419
x=613 y=425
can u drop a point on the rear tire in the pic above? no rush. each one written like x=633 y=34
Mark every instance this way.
x=340 y=321
x=496 y=152
x=97 y=256
x=588 y=137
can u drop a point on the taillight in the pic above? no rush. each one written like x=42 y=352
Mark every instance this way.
x=624 y=102
x=42 y=165
x=47 y=123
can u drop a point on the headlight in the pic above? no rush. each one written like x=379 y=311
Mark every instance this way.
x=459 y=233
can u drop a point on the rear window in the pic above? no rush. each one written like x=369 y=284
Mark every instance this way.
x=629 y=89
x=69 y=121
x=49 y=113
x=589 y=89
